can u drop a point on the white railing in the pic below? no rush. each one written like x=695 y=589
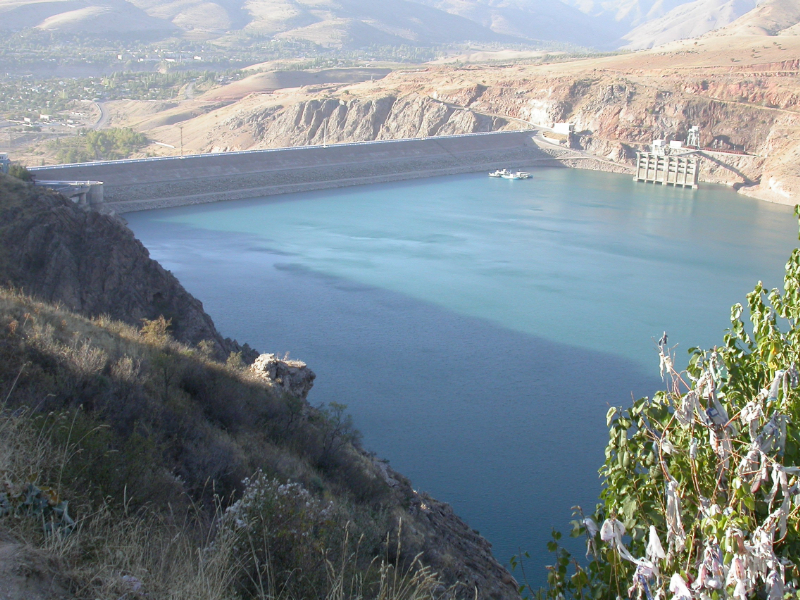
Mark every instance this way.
x=52 y=182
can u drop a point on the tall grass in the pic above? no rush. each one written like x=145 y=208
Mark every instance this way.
x=65 y=426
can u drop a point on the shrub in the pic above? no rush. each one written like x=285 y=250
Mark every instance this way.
x=150 y=441
x=701 y=494
x=20 y=172
x=282 y=536
x=105 y=144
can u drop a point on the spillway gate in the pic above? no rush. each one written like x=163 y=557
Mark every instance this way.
x=667 y=169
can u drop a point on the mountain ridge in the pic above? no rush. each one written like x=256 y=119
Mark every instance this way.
x=690 y=20
x=601 y=24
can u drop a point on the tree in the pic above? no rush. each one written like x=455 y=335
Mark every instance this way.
x=20 y=172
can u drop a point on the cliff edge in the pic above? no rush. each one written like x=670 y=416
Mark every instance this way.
x=93 y=265
x=157 y=444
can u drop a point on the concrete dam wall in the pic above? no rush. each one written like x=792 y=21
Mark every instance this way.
x=131 y=185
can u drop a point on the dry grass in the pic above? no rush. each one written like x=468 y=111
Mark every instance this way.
x=115 y=554
x=101 y=415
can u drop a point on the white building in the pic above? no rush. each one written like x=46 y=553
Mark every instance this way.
x=564 y=128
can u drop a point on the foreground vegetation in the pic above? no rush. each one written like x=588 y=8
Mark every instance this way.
x=150 y=469
x=701 y=493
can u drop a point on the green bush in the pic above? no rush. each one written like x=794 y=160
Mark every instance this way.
x=701 y=493
x=105 y=144
x=20 y=172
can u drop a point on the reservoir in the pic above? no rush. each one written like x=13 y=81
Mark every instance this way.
x=479 y=329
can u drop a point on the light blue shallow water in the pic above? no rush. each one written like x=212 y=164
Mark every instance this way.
x=479 y=329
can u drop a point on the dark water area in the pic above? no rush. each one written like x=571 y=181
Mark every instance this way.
x=479 y=332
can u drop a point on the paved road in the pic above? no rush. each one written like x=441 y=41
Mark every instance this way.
x=570 y=153
x=102 y=121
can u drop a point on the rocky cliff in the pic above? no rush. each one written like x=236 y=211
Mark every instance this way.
x=743 y=91
x=207 y=425
x=92 y=264
x=615 y=114
x=338 y=120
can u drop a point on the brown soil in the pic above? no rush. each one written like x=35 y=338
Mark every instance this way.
x=30 y=574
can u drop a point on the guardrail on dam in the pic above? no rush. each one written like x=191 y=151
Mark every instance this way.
x=131 y=185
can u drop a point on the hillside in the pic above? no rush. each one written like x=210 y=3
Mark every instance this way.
x=772 y=17
x=352 y=24
x=686 y=21
x=338 y=23
x=535 y=20
x=188 y=477
x=631 y=13
x=91 y=264
x=742 y=90
x=110 y=16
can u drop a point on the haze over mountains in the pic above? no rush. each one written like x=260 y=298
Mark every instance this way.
x=601 y=24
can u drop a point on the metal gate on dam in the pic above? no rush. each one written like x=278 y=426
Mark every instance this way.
x=131 y=185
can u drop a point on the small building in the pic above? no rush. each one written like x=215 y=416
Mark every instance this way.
x=561 y=133
x=5 y=163
x=564 y=128
x=659 y=147
x=675 y=145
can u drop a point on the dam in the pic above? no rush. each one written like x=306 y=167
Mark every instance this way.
x=142 y=184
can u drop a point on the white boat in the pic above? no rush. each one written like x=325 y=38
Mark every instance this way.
x=499 y=173
x=517 y=175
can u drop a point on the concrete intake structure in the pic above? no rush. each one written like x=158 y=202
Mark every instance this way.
x=131 y=185
x=669 y=169
x=88 y=194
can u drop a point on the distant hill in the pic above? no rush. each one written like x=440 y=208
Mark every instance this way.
x=600 y=24
x=109 y=16
x=628 y=13
x=772 y=17
x=326 y=22
x=688 y=20
x=535 y=20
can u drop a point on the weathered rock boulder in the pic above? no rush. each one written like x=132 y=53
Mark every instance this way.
x=291 y=376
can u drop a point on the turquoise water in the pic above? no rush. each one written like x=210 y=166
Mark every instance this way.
x=479 y=329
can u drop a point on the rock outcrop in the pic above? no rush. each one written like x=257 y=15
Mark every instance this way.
x=290 y=376
x=743 y=91
x=92 y=264
x=333 y=121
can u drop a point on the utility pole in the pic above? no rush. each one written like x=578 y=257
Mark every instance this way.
x=181 y=129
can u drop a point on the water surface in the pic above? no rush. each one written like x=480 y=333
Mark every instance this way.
x=479 y=329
